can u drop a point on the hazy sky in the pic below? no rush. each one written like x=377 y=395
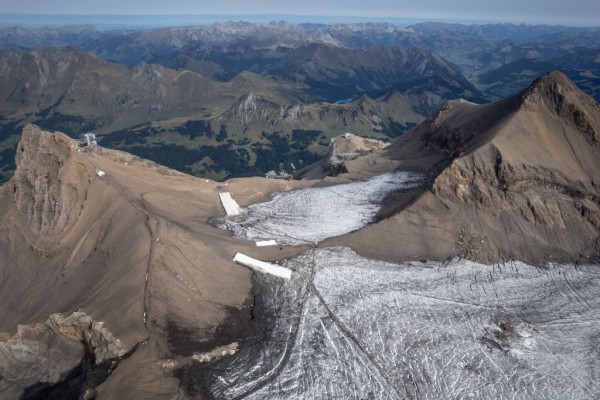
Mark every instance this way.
x=573 y=12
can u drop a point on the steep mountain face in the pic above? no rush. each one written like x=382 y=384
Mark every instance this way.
x=40 y=78
x=77 y=91
x=48 y=194
x=516 y=179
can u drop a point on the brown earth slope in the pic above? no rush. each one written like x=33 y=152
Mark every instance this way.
x=133 y=250
x=516 y=179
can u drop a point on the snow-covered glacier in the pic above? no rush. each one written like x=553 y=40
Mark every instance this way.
x=346 y=327
x=313 y=214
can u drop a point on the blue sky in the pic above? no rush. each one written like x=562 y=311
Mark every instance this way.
x=572 y=12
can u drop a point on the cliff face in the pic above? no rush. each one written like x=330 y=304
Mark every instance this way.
x=49 y=187
x=517 y=179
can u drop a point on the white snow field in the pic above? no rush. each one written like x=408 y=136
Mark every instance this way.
x=313 y=214
x=346 y=327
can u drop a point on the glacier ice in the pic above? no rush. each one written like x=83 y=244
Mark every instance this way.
x=313 y=214
x=346 y=327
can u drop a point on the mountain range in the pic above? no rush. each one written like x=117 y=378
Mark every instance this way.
x=149 y=108
x=158 y=92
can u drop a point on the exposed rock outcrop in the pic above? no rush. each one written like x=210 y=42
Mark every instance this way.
x=348 y=147
x=80 y=327
x=342 y=149
x=45 y=354
x=48 y=190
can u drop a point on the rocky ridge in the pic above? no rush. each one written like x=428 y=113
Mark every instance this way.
x=48 y=197
x=516 y=179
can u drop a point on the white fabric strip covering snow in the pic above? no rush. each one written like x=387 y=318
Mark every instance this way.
x=262 y=243
x=262 y=266
x=229 y=204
